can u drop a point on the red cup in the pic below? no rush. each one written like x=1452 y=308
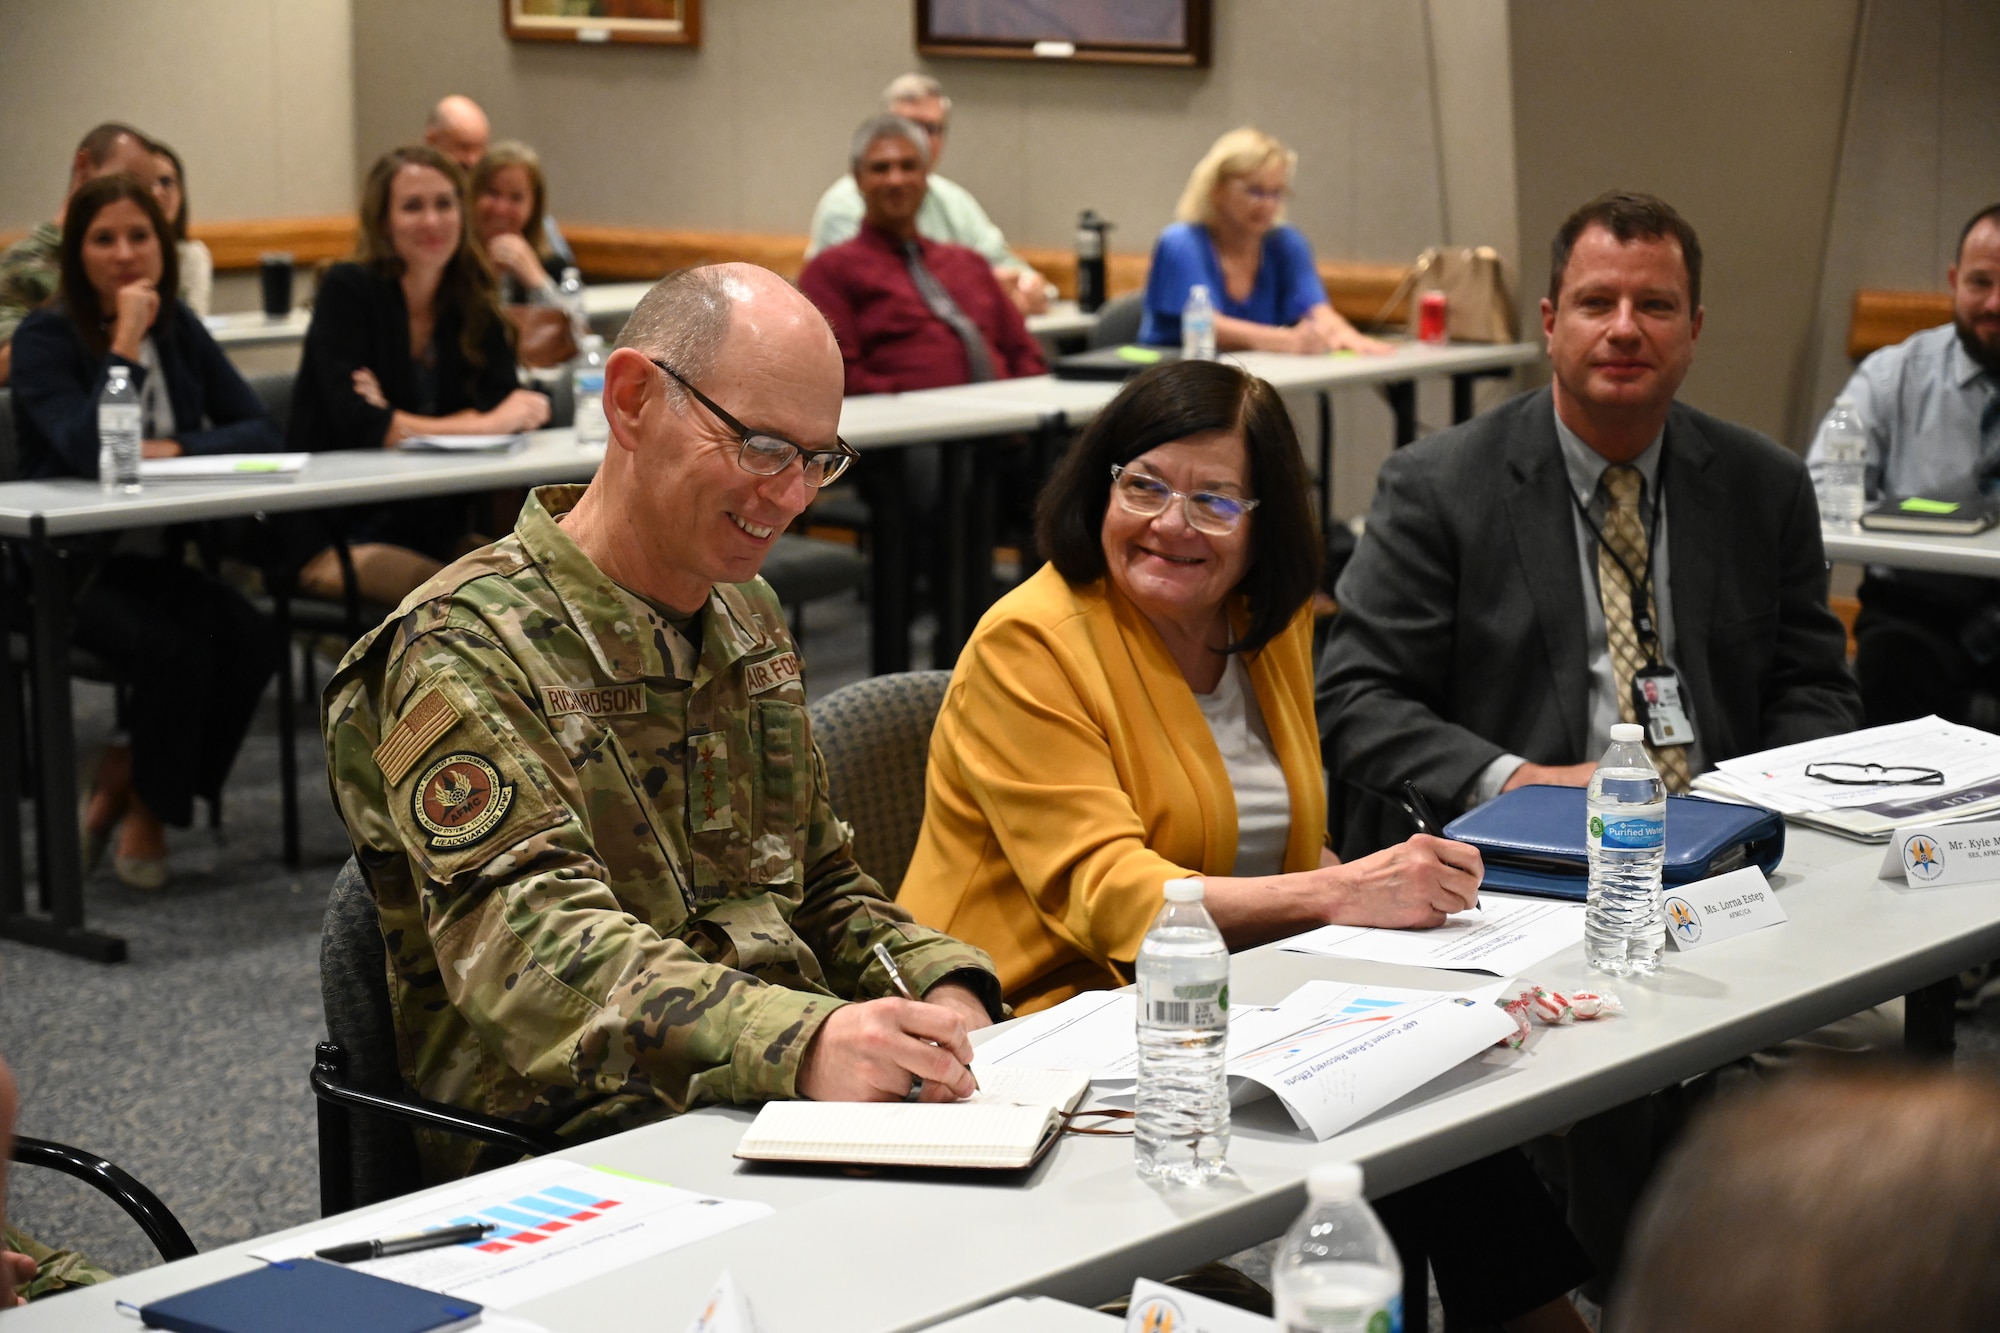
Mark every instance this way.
x=1431 y=318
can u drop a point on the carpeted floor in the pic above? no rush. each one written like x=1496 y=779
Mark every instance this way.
x=187 y=1064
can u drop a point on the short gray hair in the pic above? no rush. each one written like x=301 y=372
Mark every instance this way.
x=683 y=320
x=887 y=126
x=915 y=88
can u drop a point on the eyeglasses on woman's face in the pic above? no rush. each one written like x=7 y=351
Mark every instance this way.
x=1211 y=512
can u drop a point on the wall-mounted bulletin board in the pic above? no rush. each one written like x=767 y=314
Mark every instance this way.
x=1123 y=32
x=664 y=22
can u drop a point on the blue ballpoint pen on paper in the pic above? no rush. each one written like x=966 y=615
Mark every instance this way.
x=435 y=1239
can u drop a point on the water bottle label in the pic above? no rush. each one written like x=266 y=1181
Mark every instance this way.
x=1200 y=1004
x=591 y=381
x=1627 y=833
x=1385 y=1318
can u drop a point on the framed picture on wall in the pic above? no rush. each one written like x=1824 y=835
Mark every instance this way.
x=1123 y=32
x=668 y=22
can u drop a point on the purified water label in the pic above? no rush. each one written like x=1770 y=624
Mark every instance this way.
x=1627 y=833
x=1201 y=1004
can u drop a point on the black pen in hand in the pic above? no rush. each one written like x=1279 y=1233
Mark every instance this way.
x=355 y=1251
x=1426 y=820
x=888 y=962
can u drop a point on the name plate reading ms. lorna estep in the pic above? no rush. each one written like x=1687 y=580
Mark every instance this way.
x=1728 y=905
x=1935 y=856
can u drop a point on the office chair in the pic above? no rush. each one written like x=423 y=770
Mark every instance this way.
x=367 y=1117
x=876 y=738
x=140 y=1204
x=1118 y=321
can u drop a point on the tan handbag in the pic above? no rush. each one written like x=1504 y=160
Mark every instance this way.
x=542 y=335
x=1479 y=305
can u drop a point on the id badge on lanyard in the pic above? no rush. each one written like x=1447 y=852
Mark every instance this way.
x=1657 y=703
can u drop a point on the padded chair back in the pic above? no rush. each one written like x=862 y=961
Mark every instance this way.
x=10 y=457
x=275 y=388
x=876 y=737
x=1118 y=320
x=354 y=987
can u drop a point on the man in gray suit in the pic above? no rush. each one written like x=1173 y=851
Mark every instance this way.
x=1518 y=590
x=1473 y=652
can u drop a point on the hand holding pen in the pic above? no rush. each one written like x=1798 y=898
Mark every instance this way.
x=889 y=1050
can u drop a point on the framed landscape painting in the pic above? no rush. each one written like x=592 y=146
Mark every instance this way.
x=1127 y=32
x=668 y=22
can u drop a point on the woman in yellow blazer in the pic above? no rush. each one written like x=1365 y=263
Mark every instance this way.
x=1142 y=709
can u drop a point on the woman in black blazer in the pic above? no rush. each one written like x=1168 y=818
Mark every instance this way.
x=406 y=340
x=193 y=652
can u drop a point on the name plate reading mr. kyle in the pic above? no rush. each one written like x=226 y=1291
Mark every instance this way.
x=1932 y=856
x=1708 y=910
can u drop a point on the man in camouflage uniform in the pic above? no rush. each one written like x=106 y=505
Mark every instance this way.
x=29 y=1269
x=31 y=268
x=578 y=775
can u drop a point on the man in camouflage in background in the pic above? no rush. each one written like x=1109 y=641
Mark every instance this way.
x=577 y=772
x=31 y=268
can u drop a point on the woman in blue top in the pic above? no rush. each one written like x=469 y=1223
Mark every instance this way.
x=1258 y=271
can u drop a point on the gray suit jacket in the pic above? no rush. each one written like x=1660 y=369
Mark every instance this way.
x=1461 y=628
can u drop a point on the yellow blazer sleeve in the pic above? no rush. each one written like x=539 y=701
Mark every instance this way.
x=1032 y=732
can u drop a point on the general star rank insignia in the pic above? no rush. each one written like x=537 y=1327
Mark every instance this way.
x=459 y=800
x=708 y=788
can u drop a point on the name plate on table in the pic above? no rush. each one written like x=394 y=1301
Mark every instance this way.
x=1721 y=908
x=1159 y=1308
x=1934 y=856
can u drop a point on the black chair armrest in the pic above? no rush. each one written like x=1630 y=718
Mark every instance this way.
x=140 y=1204
x=327 y=1085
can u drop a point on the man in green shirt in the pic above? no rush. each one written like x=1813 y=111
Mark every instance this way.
x=31 y=268
x=949 y=211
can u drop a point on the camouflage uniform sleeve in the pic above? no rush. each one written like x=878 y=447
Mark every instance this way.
x=532 y=944
x=27 y=281
x=845 y=914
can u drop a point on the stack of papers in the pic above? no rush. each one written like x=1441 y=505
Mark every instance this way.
x=463 y=444
x=1503 y=936
x=1777 y=779
x=1333 y=1053
x=212 y=467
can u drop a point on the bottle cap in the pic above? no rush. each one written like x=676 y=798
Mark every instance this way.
x=1334 y=1182
x=1626 y=733
x=1184 y=890
x=592 y=342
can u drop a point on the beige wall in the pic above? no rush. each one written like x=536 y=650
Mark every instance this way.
x=1919 y=157
x=257 y=96
x=1730 y=111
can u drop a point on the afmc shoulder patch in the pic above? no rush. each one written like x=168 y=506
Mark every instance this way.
x=459 y=800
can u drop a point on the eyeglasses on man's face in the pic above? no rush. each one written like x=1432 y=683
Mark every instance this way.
x=1211 y=512
x=765 y=454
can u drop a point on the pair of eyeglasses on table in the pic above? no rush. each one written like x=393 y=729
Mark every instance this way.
x=766 y=454
x=1875 y=775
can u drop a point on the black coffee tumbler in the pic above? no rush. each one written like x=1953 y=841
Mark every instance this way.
x=276 y=272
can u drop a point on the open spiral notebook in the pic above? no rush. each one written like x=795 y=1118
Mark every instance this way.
x=1008 y=1124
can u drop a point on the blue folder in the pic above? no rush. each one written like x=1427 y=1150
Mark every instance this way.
x=308 y=1296
x=1532 y=840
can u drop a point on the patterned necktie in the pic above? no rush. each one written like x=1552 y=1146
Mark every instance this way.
x=977 y=359
x=1625 y=539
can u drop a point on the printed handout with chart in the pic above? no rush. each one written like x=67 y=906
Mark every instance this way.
x=1333 y=1053
x=1503 y=936
x=556 y=1223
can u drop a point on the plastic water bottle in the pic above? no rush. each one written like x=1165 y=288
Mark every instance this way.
x=1623 y=931
x=1198 y=326
x=1842 y=473
x=1182 y=1130
x=1337 y=1270
x=118 y=432
x=586 y=378
x=569 y=295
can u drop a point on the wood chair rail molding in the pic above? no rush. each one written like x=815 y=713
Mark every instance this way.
x=1358 y=291
x=1885 y=318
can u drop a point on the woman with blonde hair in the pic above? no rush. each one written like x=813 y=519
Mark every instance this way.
x=1230 y=236
x=510 y=202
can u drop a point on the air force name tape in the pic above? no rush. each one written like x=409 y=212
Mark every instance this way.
x=459 y=800
x=594 y=701
x=772 y=672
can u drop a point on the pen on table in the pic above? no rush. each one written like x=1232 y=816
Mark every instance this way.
x=888 y=961
x=1426 y=820
x=356 y=1251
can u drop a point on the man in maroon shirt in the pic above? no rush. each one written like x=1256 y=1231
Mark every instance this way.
x=911 y=313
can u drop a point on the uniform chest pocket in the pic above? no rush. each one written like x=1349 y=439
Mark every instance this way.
x=783 y=789
x=748 y=797
x=632 y=838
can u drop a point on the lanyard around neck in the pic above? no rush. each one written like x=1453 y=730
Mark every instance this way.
x=1641 y=584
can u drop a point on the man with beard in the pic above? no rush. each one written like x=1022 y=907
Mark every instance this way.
x=1930 y=643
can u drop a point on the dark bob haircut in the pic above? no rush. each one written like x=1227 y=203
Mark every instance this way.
x=1629 y=216
x=78 y=296
x=1172 y=402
